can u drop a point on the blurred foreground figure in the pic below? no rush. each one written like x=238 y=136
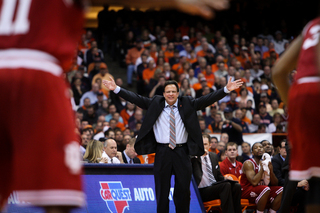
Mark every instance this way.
x=303 y=54
x=40 y=156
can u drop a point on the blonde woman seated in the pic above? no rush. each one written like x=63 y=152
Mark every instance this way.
x=94 y=152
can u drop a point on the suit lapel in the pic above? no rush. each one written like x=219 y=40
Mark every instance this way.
x=180 y=108
x=213 y=164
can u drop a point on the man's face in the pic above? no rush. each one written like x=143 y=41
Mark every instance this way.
x=232 y=152
x=119 y=136
x=256 y=119
x=84 y=139
x=213 y=143
x=274 y=104
x=202 y=125
x=95 y=87
x=206 y=144
x=130 y=151
x=86 y=102
x=224 y=137
x=113 y=124
x=221 y=146
x=111 y=149
x=245 y=148
x=258 y=150
x=126 y=138
x=170 y=94
x=267 y=146
x=112 y=109
x=283 y=151
x=228 y=115
x=217 y=118
x=111 y=135
x=262 y=110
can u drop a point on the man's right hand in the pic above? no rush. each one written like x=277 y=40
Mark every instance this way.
x=110 y=84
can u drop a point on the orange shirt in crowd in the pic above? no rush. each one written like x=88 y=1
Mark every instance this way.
x=210 y=78
x=154 y=55
x=192 y=60
x=147 y=74
x=125 y=116
x=214 y=151
x=201 y=53
x=178 y=68
x=215 y=67
x=121 y=126
x=132 y=55
x=198 y=86
x=169 y=54
x=267 y=54
x=246 y=119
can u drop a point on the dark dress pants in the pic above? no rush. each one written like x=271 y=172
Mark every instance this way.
x=168 y=162
x=228 y=193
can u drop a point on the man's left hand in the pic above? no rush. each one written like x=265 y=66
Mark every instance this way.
x=234 y=85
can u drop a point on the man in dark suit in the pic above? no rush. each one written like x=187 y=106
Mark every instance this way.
x=129 y=155
x=212 y=185
x=170 y=129
x=294 y=192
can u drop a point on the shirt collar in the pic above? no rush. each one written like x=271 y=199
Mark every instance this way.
x=175 y=104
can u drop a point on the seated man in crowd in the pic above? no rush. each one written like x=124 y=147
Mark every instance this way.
x=110 y=151
x=253 y=187
x=129 y=155
x=246 y=151
x=230 y=165
x=212 y=184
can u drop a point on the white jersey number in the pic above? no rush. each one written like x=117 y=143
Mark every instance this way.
x=313 y=41
x=18 y=24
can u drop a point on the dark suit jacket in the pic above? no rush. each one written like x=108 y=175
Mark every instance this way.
x=187 y=106
x=277 y=164
x=135 y=159
x=197 y=169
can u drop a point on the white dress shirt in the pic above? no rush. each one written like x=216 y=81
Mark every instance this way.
x=115 y=160
x=161 y=127
x=205 y=182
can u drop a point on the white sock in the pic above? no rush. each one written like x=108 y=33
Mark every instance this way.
x=272 y=211
x=259 y=211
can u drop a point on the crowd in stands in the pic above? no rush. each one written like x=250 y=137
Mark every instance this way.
x=202 y=59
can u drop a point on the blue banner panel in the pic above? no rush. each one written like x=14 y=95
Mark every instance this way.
x=117 y=194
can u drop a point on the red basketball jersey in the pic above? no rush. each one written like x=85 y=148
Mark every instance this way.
x=244 y=180
x=307 y=64
x=52 y=26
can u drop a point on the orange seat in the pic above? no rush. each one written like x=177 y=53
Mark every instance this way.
x=213 y=205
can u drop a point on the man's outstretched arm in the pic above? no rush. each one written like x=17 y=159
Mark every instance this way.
x=132 y=97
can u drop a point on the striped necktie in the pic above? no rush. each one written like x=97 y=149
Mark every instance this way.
x=209 y=171
x=172 y=141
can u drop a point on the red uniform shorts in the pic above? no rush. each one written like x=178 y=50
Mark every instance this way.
x=39 y=152
x=254 y=193
x=304 y=102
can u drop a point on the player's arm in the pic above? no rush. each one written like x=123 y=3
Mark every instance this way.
x=252 y=177
x=193 y=7
x=282 y=68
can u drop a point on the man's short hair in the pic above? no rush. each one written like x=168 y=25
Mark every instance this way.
x=231 y=144
x=246 y=143
x=170 y=82
x=132 y=141
x=206 y=136
x=254 y=145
